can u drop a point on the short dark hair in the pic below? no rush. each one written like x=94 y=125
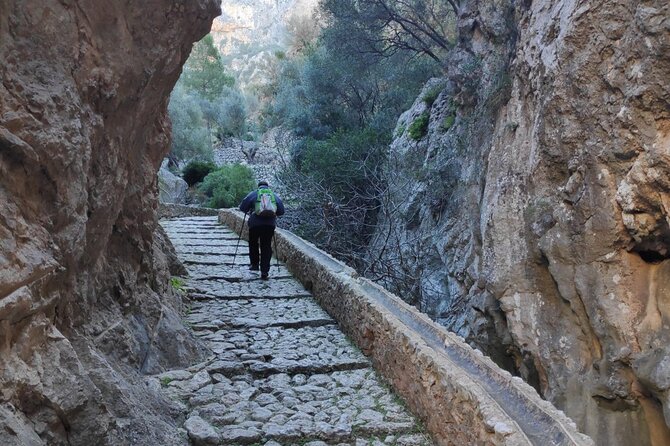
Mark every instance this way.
x=262 y=183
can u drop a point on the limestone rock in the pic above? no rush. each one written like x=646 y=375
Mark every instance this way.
x=201 y=432
x=85 y=301
x=538 y=228
x=172 y=189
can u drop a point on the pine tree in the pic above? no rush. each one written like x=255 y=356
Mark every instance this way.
x=204 y=72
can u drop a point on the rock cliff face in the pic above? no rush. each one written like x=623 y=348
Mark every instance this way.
x=535 y=207
x=84 y=301
x=249 y=32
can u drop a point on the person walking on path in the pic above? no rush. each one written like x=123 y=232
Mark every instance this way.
x=265 y=206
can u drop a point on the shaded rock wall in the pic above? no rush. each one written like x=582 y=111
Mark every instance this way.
x=534 y=212
x=84 y=301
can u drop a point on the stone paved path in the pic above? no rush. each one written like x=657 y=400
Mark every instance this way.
x=281 y=372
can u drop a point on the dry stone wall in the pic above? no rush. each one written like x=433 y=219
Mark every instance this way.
x=85 y=305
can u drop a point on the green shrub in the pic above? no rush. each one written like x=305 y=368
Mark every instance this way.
x=177 y=284
x=227 y=186
x=432 y=94
x=419 y=127
x=448 y=122
x=196 y=171
x=400 y=130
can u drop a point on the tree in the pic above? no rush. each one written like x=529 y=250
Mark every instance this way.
x=231 y=114
x=386 y=27
x=204 y=73
x=190 y=138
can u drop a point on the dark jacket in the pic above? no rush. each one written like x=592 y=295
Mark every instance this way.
x=249 y=203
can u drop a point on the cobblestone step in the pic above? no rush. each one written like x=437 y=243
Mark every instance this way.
x=293 y=350
x=220 y=242
x=238 y=272
x=210 y=250
x=281 y=372
x=338 y=407
x=232 y=289
x=256 y=312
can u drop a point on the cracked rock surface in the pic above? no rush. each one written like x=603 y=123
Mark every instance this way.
x=281 y=372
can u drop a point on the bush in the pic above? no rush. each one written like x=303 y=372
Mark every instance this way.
x=419 y=127
x=190 y=137
x=448 y=122
x=196 y=171
x=227 y=186
x=432 y=94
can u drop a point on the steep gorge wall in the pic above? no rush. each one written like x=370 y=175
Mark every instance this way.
x=85 y=305
x=536 y=210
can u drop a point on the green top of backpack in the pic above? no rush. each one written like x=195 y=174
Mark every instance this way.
x=266 y=203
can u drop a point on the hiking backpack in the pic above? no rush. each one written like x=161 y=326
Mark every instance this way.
x=266 y=203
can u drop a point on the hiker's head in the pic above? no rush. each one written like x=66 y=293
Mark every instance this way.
x=262 y=183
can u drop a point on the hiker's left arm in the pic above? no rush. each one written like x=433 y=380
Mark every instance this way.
x=245 y=206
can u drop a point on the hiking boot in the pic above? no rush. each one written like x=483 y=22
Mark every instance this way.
x=253 y=268
x=265 y=276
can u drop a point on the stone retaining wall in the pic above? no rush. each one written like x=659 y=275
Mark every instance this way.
x=170 y=210
x=442 y=379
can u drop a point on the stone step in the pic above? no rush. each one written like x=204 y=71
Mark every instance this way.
x=277 y=288
x=239 y=271
x=181 y=238
x=226 y=241
x=256 y=312
x=177 y=234
x=338 y=407
x=282 y=373
x=306 y=350
x=209 y=250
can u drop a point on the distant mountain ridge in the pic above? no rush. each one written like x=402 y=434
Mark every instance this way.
x=250 y=32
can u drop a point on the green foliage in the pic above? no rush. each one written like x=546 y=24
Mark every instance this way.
x=196 y=171
x=231 y=114
x=189 y=133
x=204 y=73
x=448 y=122
x=205 y=104
x=419 y=127
x=400 y=130
x=177 y=284
x=165 y=381
x=227 y=186
x=383 y=28
x=330 y=89
x=342 y=160
x=431 y=95
x=338 y=180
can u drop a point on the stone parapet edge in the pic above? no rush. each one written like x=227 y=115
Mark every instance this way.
x=172 y=210
x=455 y=409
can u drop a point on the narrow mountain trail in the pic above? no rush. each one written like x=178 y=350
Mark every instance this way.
x=281 y=372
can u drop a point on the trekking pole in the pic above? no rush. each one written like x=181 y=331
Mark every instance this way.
x=239 y=238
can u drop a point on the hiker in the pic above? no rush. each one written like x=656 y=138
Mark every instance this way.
x=264 y=206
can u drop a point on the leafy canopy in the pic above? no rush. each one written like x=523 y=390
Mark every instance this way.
x=204 y=73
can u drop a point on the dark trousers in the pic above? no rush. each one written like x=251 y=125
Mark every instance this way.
x=261 y=236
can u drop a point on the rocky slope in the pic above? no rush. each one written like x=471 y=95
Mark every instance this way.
x=250 y=32
x=84 y=302
x=534 y=209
